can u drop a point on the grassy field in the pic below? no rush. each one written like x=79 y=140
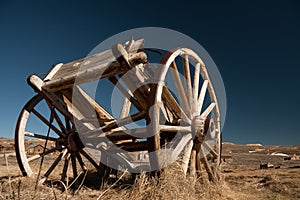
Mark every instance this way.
x=241 y=179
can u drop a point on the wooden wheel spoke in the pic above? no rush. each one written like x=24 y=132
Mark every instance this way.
x=65 y=170
x=187 y=80
x=200 y=100
x=59 y=122
x=68 y=126
x=193 y=163
x=208 y=110
x=173 y=105
x=116 y=124
x=54 y=164
x=43 y=119
x=74 y=165
x=196 y=87
x=35 y=157
x=34 y=135
x=206 y=165
x=182 y=129
x=180 y=89
x=198 y=163
x=78 y=156
x=87 y=156
x=186 y=156
x=57 y=118
x=210 y=149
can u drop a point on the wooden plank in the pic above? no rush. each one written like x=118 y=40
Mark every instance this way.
x=91 y=73
x=92 y=60
x=125 y=108
x=53 y=71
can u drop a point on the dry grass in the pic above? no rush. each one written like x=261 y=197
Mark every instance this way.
x=244 y=181
x=170 y=185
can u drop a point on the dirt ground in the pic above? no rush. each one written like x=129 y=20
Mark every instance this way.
x=242 y=178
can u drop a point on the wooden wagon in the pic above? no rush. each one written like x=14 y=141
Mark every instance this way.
x=77 y=131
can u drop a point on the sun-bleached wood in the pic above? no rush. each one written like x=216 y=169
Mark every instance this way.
x=188 y=82
x=125 y=108
x=191 y=103
x=193 y=163
x=200 y=100
x=180 y=89
x=186 y=156
x=208 y=110
x=196 y=88
x=165 y=116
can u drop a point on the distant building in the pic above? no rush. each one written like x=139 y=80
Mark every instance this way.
x=7 y=147
x=35 y=149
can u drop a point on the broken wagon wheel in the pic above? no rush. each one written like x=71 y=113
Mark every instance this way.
x=185 y=109
x=62 y=146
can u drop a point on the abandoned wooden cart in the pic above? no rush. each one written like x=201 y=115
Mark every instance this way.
x=168 y=111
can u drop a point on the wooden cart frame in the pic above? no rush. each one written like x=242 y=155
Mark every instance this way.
x=183 y=124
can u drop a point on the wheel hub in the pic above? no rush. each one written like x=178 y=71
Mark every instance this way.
x=198 y=128
x=73 y=142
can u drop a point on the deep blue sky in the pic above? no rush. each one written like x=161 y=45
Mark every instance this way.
x=255 y=44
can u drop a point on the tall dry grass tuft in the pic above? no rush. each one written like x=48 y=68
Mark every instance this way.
x=172 y=184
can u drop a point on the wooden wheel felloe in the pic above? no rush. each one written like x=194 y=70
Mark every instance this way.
x=44 y=132
x=191 y=104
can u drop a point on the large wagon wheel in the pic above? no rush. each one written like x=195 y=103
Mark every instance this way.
x=42 y=131
x=191 y=107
